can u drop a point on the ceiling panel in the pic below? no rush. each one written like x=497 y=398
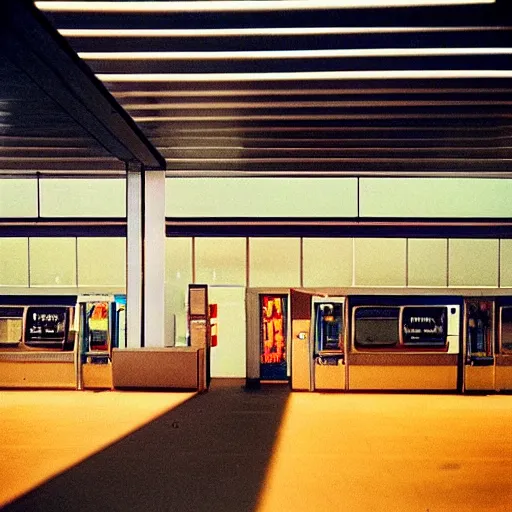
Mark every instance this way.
x=307 y=88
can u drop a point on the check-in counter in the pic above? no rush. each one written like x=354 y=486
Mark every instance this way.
x=37 y=369
x=172 y=368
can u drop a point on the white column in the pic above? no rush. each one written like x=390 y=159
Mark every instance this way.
x=154 y=259
x=134 y=269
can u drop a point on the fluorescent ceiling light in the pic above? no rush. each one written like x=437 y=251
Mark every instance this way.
x=307 y=104
x=303 y=117
x=293 y=54
x=311 y=75
x=239 y=6
x=241 y=32
x=299 y=92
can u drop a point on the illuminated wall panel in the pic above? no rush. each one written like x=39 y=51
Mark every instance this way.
x=473 y=262
x=261 y=197
x=427 y=262
x=435 y=197
x=178 y=275
x=18 y=198
x=221 y=261
x=228 y=357
x=13 y=261
x=101 y=262
x=380 y=261
x=506 y=263
x=52 y=262
x=274 y=262
x=83 y=198
x=328 y=261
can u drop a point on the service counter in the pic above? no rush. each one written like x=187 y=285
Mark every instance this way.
x=21 y=368
x=171 y=368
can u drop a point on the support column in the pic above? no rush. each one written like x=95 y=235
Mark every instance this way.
x=154 y=259
x=134 y=256
x=145 y=257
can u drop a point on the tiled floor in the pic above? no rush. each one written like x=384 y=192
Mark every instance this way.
x=267 y=450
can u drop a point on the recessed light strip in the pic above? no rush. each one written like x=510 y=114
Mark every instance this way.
x=294 y=54
x=240 y=6
x=309 y=104
x=183 y=93
x=267 y=32
x=311 y=75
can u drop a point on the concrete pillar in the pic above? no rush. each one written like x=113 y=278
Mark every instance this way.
x=154 y=259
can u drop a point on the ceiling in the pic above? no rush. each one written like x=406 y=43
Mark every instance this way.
x=54 y=113
x=304 y=88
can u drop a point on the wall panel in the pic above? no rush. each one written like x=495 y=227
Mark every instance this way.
x=380 y=261
x=221 y=261
x=473 y=262
x=427 y=262
x=228 y=357
x=18 y=198
x=101 y=261
x=52 y=262
x=261 y=197
x=13 y=261
x=274 y=262
x=506 y=263
x=83 y=198
x=328 y=261
x=435 y=197
x=178 y=275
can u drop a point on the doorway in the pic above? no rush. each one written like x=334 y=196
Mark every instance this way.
x=273 y=337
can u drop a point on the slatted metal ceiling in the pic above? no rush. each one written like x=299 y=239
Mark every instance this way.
x=227 y=88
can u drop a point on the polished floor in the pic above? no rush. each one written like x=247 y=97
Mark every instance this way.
x=266 y=450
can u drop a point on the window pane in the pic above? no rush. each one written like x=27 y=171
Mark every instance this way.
x=376 y=326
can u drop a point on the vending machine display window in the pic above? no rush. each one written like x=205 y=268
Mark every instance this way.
x=376 y=326
x=97 y=326
x=328 y=327
x=424 y=325
x=506 y=330
x=46 y=326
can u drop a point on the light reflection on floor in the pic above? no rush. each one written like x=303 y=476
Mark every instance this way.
x=364 y=452
x=54 y=430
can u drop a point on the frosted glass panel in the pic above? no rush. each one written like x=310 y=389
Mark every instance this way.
x=83 y=198
x=52 y=261
x=13 y=261
x=274 y=262
x=506 y=263
x=380 y=261
x=261 y=197
x=435 y=197
x=101 y=262
x=18 y=198
x=328 y=261
x=228 y=357
x=178 y=275
x=427 y=264
x=473 y=262
x=220 y=261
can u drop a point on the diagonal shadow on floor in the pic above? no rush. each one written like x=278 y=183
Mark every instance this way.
x=210 y=453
